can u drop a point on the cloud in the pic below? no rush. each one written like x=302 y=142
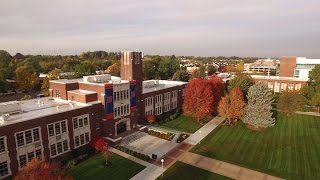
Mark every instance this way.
x=205 y=27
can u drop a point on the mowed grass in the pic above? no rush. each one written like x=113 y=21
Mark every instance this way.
x=93 y=168
x=182 y=171
x=183 y=123
x=290 y=149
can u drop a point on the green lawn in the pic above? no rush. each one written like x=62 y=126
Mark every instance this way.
x=182 y=123
x=290 y=149
x=93 y=168
x=184 y=171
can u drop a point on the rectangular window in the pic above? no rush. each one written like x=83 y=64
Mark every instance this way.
x=20 y=139
x=57 y=128
x=38 y=153
x=36 y=135
x=75 y=123
x=87 y=137
x=82 y=139
x=77 y=142
x=30 y=156
x=80 y=122
x=65 y=145
x=4 y=169
x=28 y=137
x=53 y=150
x=59 y=147
x=63 y=127
x=22 y=160
x=2 y=145
x=85 y=121
x=50 y=129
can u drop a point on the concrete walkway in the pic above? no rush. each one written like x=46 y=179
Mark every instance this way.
x=308 y=113
x=223 y=168
x=196 y=137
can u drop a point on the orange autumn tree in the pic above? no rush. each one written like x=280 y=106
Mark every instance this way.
x=114 y=69
x=217 y=87
x=232 y=106
x=237 y=105
x=198 y=99
x=40 y=170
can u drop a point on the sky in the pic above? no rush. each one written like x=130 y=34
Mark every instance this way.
x=260 y=28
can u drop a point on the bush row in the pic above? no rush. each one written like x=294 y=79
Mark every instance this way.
x=134 y=153
x=163 y=135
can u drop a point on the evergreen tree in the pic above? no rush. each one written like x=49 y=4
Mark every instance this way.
x=258 y=111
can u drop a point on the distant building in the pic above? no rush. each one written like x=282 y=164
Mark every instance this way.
x=293 y=74
x=262 y=65
x=299 y=67
x=79 y=109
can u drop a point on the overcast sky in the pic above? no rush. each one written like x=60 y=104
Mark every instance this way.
x=264 y=28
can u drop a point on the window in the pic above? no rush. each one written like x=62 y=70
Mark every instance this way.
x=63 y=127
x=38 y=153
x=50 y=129
x=82 y=139
x=75 y=123
x=28 y=137
x=80 y=122
x=77 y=142
x=59 y=147
x=53 y=150
x=87 y=137
x=85 y=121
x=36 y=135
x=2 y=145
x=58 y=94
x=57 y=128
x=20 y=139
x=30 y=156
x=65 y=145
x=22 y=160
x=4 y=169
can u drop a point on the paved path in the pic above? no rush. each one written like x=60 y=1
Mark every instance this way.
x=196 y=137
x=223 y=168
x=308 y=113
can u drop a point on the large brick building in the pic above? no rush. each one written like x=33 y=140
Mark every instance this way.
x=293 y=74
x=78 y=109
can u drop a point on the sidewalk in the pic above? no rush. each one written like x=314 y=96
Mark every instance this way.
x=196 y=137
x=308 y=113
x=223 y=168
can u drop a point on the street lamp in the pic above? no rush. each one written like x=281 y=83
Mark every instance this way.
x=162 y=161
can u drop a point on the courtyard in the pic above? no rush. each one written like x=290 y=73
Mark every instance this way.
x=290 y=149
x=144 y=143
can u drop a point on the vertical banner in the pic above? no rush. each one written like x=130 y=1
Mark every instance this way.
x=108 y=101
x=133 y=98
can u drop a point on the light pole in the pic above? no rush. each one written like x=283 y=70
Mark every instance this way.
x=200 y=136
x=162 y=161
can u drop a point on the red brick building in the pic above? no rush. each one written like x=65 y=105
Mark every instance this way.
x=79 y=109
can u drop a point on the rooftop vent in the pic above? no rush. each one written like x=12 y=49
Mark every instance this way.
x=97 y=78
x=10 y=107
x=151 y=83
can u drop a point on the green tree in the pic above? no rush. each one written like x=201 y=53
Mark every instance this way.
x=149 y=68
x=211 y=70
x=26 y=80
x=52 y=75
x=258 y=112
x=290 y=102
x=241 y=80
x=312 y=90
x=181 y=75
x=167 y=67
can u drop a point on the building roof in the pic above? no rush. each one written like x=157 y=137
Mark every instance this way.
x=279 y=78
x=36 y=108
x=304 y=60
x=157 y=85
x=111 y=80
x=84 y=92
